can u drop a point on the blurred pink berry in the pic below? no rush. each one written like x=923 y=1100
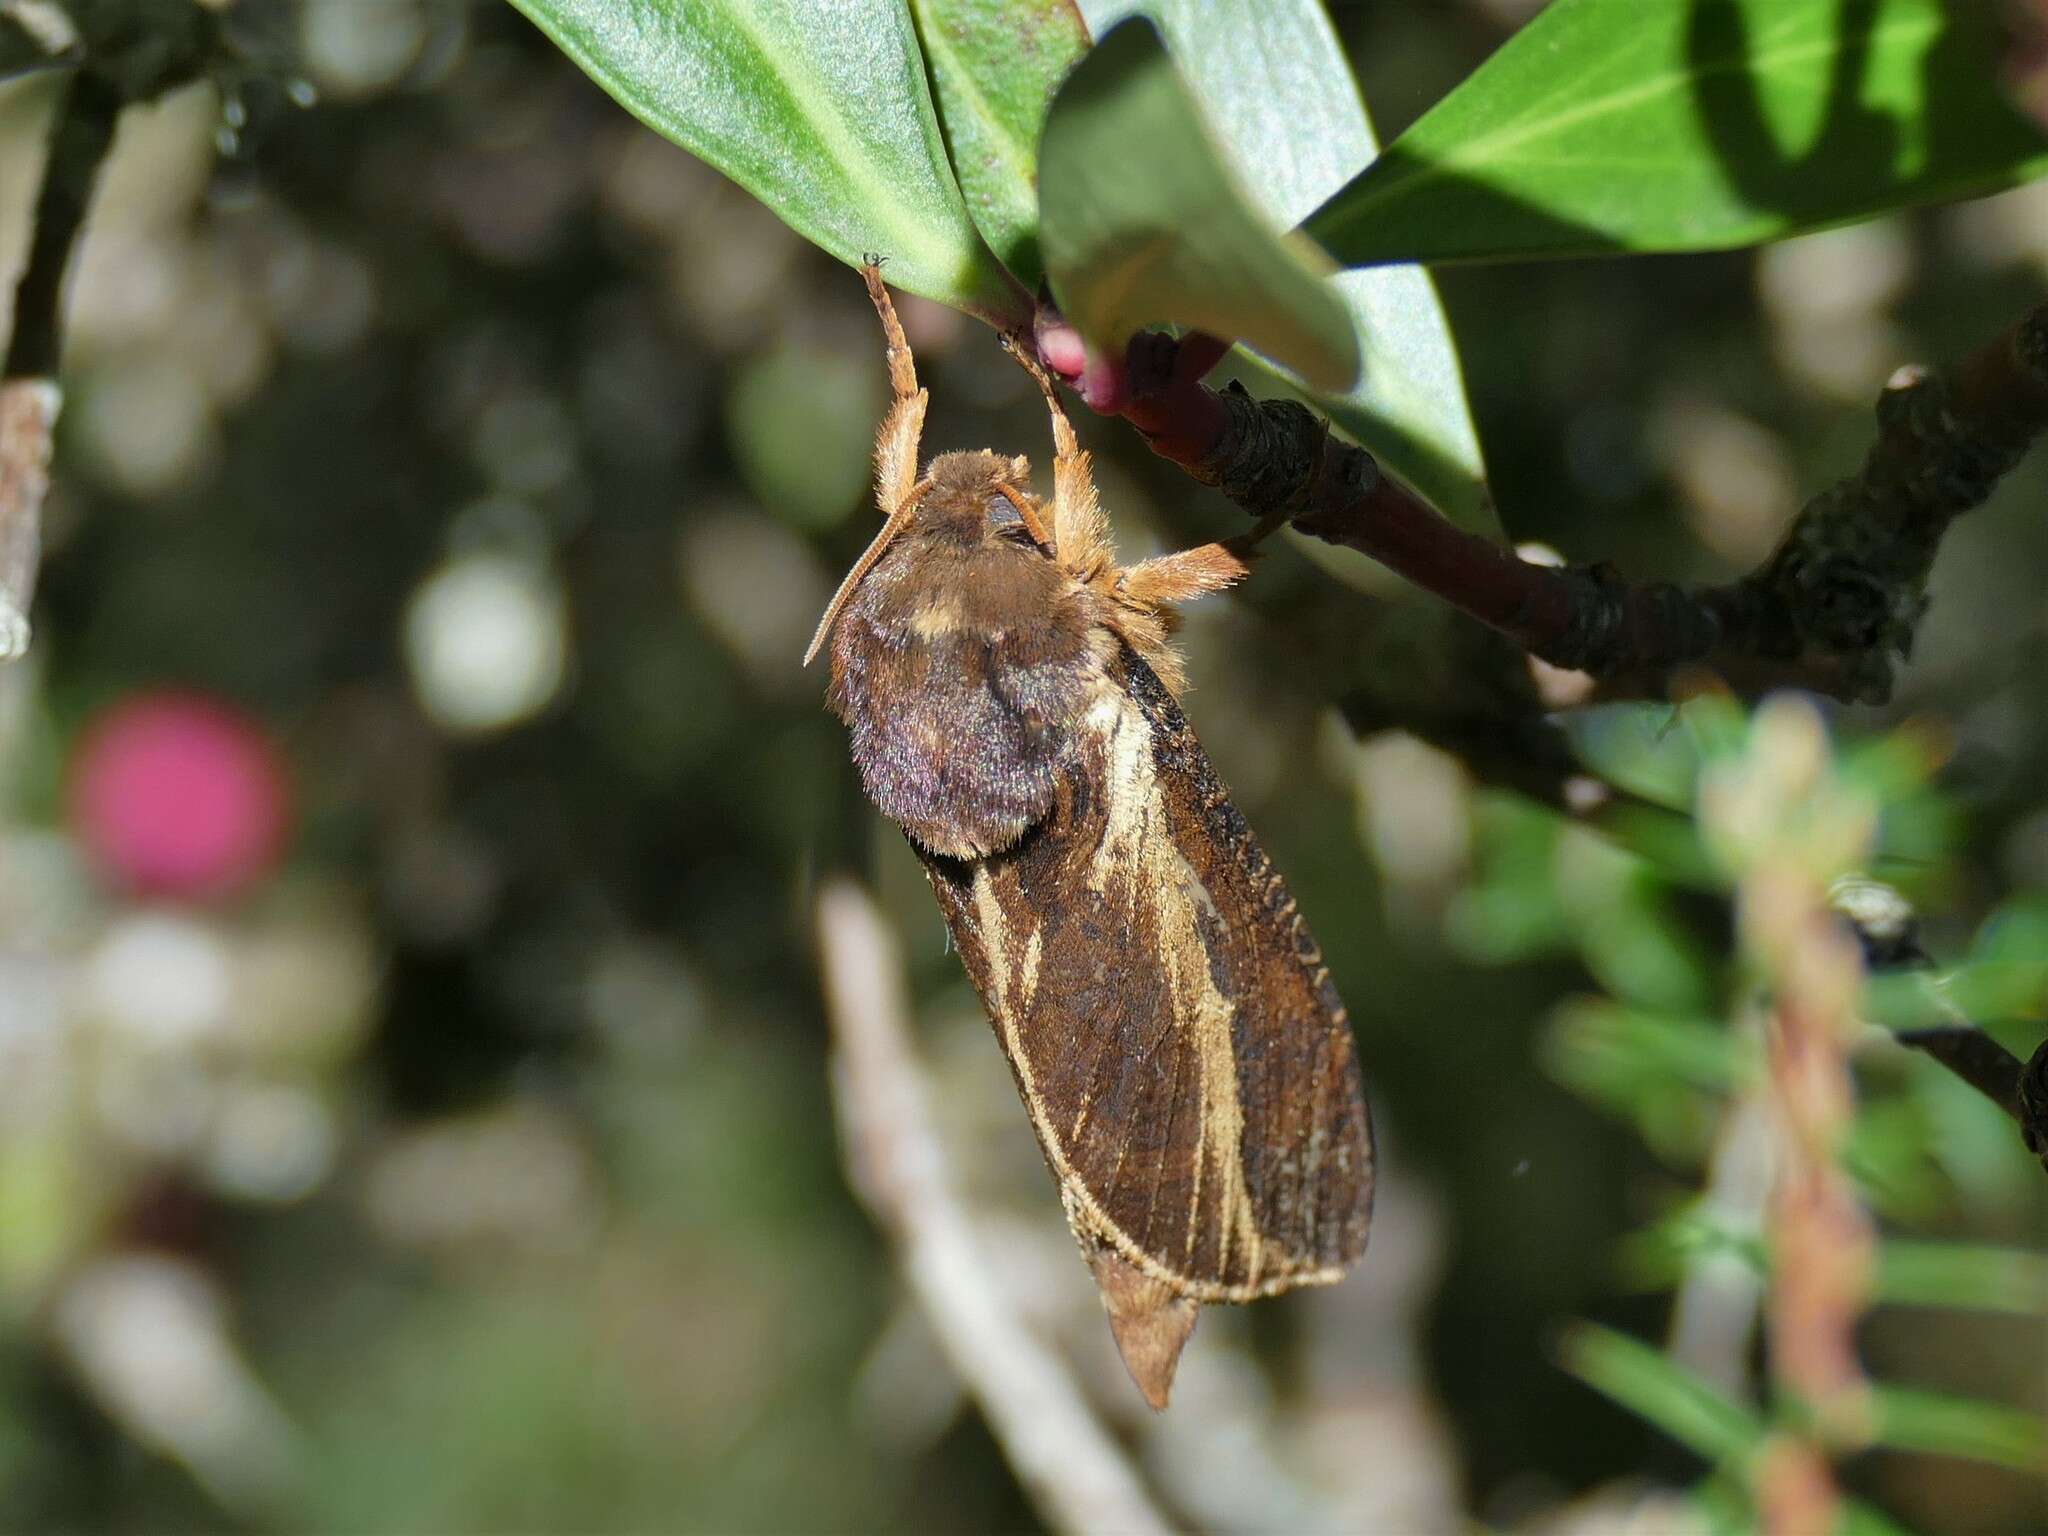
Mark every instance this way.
x=175 y=794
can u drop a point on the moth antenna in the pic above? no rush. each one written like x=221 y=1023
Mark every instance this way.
x=896 y=451
x=1027 y=509
x=898 y=521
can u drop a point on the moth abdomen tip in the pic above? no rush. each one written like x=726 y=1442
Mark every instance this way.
x=1150 y=1320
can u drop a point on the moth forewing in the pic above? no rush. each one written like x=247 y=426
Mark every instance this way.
x=1186 y=1064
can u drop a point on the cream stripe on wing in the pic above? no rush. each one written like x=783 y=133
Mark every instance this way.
x=1138 y=850
x=1136 y=843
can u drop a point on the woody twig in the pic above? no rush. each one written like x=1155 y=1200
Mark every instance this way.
x=120 y=52
x=80 y=137
x=1887 y=929
x=1059 y=1450
x=1832 y=611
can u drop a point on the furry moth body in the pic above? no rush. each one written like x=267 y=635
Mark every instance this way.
x=1187 y=1066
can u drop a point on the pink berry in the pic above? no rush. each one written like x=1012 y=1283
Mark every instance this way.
x=174 y=794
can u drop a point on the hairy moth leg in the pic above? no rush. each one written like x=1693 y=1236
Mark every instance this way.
x=897 y=487
x=1187 y=574
x=1182 y=577
x=896 y=444
x=1080 y=533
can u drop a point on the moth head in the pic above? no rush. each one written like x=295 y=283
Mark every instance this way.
x=964 y=498
x=976 y=497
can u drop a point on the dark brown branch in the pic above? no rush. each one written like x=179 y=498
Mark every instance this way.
x=1830 y=611
x=80 y=136
x=2019 y=1088
x=1977 y=1059
x=124 y=51
x=1887 y=928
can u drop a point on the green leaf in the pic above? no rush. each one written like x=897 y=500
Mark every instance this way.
x=1663 y=1074
x=1628 y=936
x=1890 y=1152
x=1860 y=1519
x=995 y=65
x=1689 y=125
x=1912 y=1420
x=1667 y=841
x=1594 y=1040
x=1910 y=1273
x=822 y=112
x=1289 y=122
x=1658 y=1257
x=1141 y=224
x=1964 y=1275
x=1656 y=1388
x=1720 y=1430
x=1274 y=88
x=1723 y=1499
x=1636 y=748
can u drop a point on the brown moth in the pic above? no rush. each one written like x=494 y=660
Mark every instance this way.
x=1010 y=691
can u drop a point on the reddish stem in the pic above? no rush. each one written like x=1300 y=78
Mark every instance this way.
x=1830 y=611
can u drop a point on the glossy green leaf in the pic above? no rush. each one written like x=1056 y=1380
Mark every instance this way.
x=1635 y=748
x=1274 y=88
x=995 y=65
x=1287 y=115
x=1687 y=125
x=1142 y=224
x=822 y=112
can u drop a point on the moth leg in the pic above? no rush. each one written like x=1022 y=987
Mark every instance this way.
x=1193 y=573
x=902 y=366
x=1244 y=543
x=1080 y=533
x=1183 y=576
x=1147 y=592
x=896 y=444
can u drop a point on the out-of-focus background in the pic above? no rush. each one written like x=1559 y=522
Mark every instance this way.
x=414 y=1108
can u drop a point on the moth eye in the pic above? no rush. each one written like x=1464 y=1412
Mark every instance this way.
x=1002 y=512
